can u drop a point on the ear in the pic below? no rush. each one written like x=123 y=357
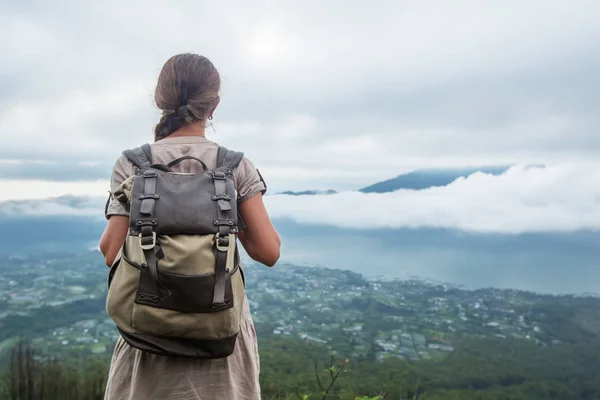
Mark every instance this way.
x=212 y=110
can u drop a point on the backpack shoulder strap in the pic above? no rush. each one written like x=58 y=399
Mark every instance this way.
x=141 y=156
x=228 y=158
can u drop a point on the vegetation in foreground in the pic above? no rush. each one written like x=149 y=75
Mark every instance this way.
x=480 y=369
x=500 y=344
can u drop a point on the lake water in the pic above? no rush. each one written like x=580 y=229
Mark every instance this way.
x=568 y=263
x=549 y=263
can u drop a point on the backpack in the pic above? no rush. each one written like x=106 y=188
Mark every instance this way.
x=176 y=287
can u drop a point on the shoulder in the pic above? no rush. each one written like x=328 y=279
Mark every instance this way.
x=249 y=181
x=122 y=166
x=244 y=166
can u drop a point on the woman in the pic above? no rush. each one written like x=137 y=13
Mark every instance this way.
x=188 y=94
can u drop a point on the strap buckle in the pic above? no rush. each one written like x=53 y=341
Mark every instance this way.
x=147 y=246
x=218 y=175
x=226 y=245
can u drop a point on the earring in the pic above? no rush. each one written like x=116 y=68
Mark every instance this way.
x=210 y=117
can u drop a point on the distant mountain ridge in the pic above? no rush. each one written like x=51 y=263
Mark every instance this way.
x=427 y=178
x=419 y=179
x=308 y=192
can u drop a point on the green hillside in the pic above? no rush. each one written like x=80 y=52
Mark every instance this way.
x=403 y=339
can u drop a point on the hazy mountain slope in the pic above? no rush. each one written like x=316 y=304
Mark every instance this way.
x=426 y=178
x=415 y=180
x=307 y=192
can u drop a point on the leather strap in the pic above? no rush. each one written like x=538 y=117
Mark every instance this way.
x=219 y=179
x=233 y=158
x=141 y=157
x=147 y=224
x=150 y=196
x=180 y=159
x=152 y=263
x=223 y=240
x=220 y=268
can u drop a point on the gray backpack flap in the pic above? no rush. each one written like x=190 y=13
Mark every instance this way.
x=177 y=287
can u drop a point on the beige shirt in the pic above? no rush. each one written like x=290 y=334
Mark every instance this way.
x=137 y=375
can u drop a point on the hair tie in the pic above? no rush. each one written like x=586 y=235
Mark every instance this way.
x=183 y=112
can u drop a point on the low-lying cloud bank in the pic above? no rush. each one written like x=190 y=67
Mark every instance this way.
x=559 y=198
x=523 y=199
x=64 y=205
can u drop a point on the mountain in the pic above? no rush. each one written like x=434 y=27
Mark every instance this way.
x=307 y=192
x=427 y=178
x=416 y=180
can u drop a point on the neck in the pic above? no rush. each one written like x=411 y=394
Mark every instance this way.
x=193 y=129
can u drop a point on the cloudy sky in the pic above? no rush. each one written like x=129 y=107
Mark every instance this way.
x=332 y=94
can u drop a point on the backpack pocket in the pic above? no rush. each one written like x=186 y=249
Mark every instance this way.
x=184 y=309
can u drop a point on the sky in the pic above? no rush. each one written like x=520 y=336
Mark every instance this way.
x=319 y=95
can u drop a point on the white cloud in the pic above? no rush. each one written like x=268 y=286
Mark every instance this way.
x=401 y=85
x=71 y=119
x=562 y=197
x=14 y=190
x=49 y=209
x=556 y=198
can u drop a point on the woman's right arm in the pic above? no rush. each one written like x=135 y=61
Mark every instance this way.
x=118 y=218
x=260 y=239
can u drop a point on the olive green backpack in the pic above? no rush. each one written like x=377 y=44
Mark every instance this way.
x=176 y=287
